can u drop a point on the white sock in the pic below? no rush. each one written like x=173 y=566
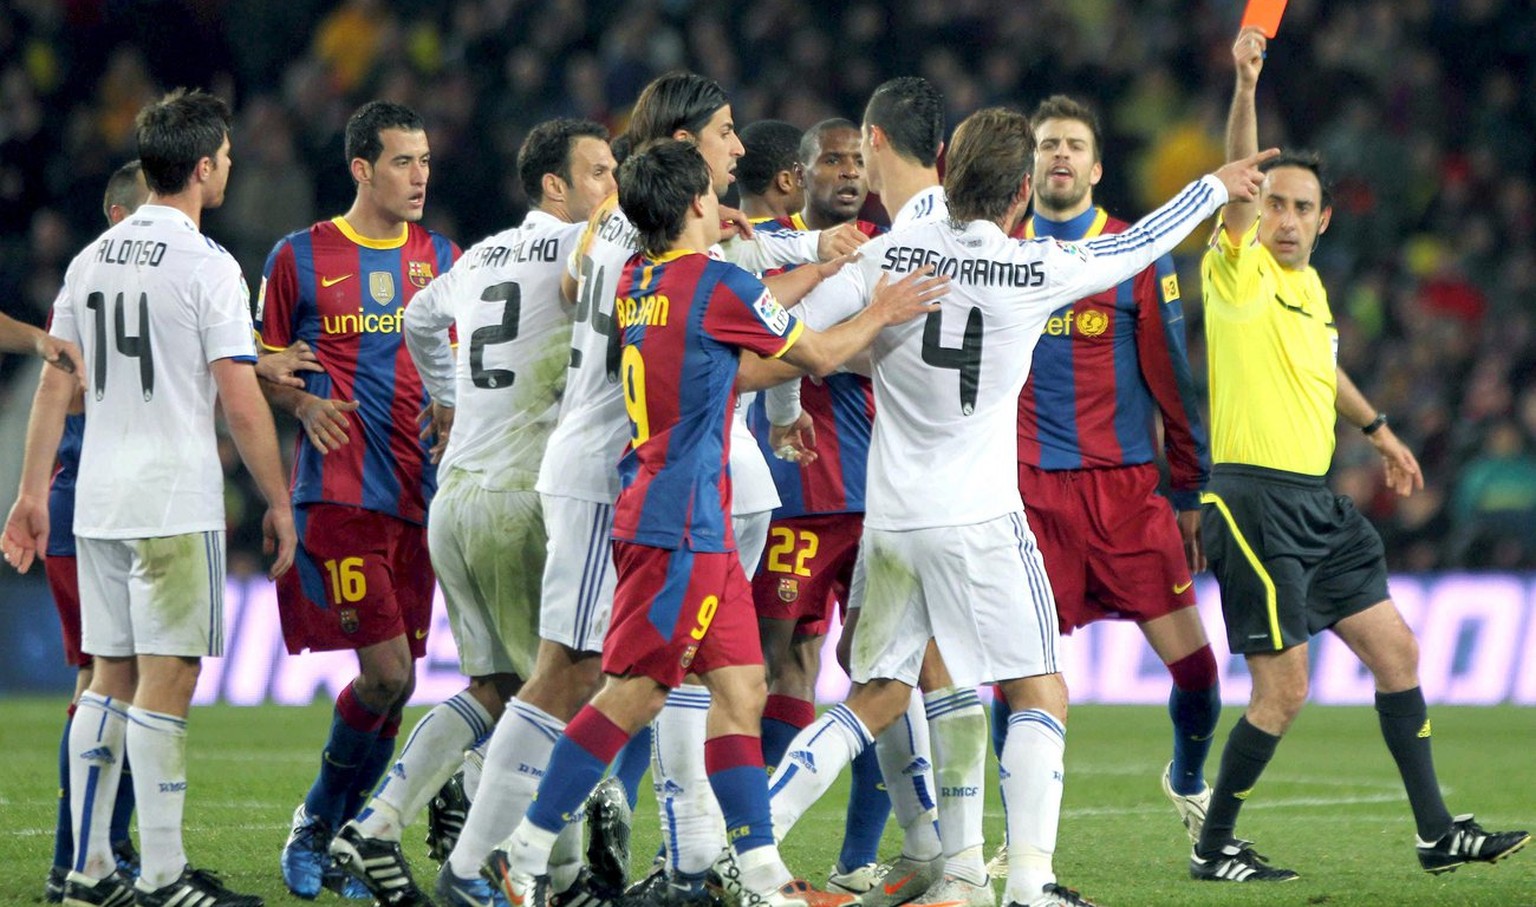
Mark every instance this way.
x=957 y=728
x=692 y=825
x=762 y=869
x=1031 y=772
x=432 y=752
x=566 y=857
x=528 y=849
x=474 y=766
x=95 y=767
x=157 y=747
x=907 y=766
x=815 y=758
x=514 y=765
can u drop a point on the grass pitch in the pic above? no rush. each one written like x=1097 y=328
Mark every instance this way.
x=1330 y=807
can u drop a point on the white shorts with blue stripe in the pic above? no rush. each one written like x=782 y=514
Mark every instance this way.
x=155 y=596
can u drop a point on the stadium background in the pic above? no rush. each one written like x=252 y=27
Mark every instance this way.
x=1423 y=107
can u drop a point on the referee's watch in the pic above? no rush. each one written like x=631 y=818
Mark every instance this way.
x=1375 y=424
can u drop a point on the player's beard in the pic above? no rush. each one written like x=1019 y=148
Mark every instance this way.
x=1048 y=200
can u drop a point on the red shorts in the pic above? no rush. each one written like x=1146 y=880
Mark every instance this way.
x=676 y=612
x=360 y=578
x=64 y=582
x=807 y=565
x=1111 y=543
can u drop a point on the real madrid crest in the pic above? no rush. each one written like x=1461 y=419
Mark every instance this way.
x=789 y=589
x=381 y=286
x=420 y=273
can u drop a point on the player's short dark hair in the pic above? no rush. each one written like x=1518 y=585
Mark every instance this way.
x=657 y=183
x=911 y=113
x=547 y=149
x=771 y=148
x=1306 y=160
x=1061 y=107
x=176 y=132
x=123 y=188
x=993 y=152
x=363 y=128
x=622 y=145
x=810 y=143
x=677 y=100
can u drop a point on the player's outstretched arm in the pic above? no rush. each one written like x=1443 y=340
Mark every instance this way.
x=26 y=529
x=250 y=424
x=913 y=296
x=325 y=421
x=20 y=337
x=1243 y=122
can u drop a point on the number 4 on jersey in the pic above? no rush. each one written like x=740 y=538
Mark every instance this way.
x=966 y=358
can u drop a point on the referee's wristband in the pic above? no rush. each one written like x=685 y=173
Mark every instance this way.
x=1375 y=425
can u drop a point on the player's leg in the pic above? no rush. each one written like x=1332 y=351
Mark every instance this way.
x=957 y=733
x=1194 y=706
x=1031 y=769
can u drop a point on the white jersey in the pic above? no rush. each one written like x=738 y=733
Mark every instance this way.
x=944 y=449
x=151 y=303
x=514 y=340
x=752 y=488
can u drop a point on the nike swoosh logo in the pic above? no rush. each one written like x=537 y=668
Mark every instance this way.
x=421 y=634
x=333 y=281
x=891 y=889
x=1178 y=589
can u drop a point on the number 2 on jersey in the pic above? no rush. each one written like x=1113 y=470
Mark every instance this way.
x=502 y=332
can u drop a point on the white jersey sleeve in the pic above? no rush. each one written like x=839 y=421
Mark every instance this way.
x=514 y=342
x=769 y=249
x=426 y=324
x=153 y=302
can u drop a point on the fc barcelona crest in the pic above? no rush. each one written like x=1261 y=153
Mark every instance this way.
x=688 y=654
x=789 y=589
x=381 y=286
x=349 y=622
x=420 y=273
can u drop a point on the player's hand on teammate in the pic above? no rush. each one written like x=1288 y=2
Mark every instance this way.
x=1248 y=55
x=1189 y=531
x=436 y=424
x=734 y=223
x=279 y=537
x=325 y=421
x=839 y=241
x=795 y=442
x=826 y=269
x=283 y=366
x=26 y=532
x=913 y=296
x=62 y=355
x=1403 y=473
x=1243 y=178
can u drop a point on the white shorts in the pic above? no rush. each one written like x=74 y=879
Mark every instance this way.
x=960 y=586
x=159 y=596
x=488 y=552
x=751 y=531
x=578 y=573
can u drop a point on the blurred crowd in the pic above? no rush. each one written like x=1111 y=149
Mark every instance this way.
x=1423 y=108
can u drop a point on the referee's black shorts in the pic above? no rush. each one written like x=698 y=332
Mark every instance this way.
x=1291 y=557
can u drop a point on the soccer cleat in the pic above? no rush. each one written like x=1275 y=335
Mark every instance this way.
x=452 y=891
x=80 y=890
x=1053 y=895
x=857 y=880
x=305 y=859
x=608 y=819
x=379 y=865
x=1237 y=862
x=801 y=890
x=657 y=889
x=519 y=890
x=587 y=890
x=1191 y=807
x=445 y=818
x=997 y=867
x=952 y=891
x=127 y=857
x=1467 y=842
x=53 y=886
x=195 y=888
x=905 y=881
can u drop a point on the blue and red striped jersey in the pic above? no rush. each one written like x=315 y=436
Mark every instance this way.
x=61 y=491
x=678 y=371
x=345 y=295
x=1105 y=366
x=842 y=410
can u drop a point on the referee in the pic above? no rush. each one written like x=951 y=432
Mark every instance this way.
x=1291 y=557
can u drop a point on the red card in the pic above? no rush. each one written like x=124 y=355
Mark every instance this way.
x=1264 y=15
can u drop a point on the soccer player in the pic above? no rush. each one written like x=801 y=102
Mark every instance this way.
x=1291 y=557
x=362 y=482
x=947 y=555
x=126 y=191
x=149 y=520
x=682 y=602
x=815 y=532
x=1107 y=368
x=486 y=530
x=768 y=175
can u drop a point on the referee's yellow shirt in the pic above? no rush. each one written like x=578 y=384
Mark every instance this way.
x=1272 y=347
